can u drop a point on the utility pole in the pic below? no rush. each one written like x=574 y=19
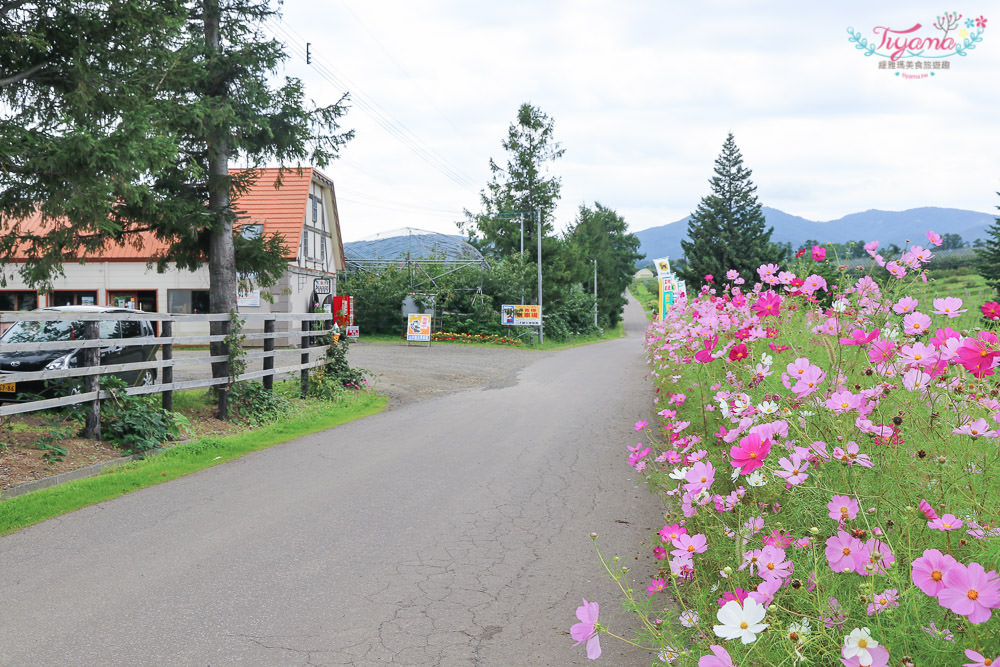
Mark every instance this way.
x=595 y=293
x=522 y=253
x=541 y=333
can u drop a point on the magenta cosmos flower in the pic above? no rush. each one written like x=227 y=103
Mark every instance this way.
x=971 y=591
x=991 y=310
x=767 y=305
x=927 y=572
x=750 y=453
x=818 y=253
x=586 y=629
x=861 y=337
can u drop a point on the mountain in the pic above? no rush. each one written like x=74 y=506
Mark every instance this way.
x=884 y=226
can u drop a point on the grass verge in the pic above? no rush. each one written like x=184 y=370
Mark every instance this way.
x=311 y=417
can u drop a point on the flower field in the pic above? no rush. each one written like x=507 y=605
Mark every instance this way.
x=827 y=453
x=473 y=338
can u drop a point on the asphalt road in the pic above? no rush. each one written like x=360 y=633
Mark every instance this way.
x=452 y=530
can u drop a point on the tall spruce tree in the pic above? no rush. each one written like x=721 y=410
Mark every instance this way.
x=989 y=255
x=728 y=229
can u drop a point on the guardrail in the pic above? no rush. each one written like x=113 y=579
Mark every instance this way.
x=311 y=332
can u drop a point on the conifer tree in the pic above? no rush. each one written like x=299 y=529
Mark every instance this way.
x=989 y=255
x=728 y=229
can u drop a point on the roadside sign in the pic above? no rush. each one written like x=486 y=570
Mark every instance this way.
x=418 y=327
x=322 y=285
x=353 y=331
x=527 y=315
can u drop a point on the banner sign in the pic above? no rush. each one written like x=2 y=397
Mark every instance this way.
x=343 y=310
x=249 y=299
x=521 y=315
x=353 y=332
x=418 y=327
x=322 y=285
x=669 y=291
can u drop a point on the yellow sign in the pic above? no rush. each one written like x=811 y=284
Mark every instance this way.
x=662 y=266
x=418 y=327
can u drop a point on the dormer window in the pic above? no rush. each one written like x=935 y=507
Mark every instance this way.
x=251 y=231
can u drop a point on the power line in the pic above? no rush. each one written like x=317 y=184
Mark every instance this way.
x=399 y=131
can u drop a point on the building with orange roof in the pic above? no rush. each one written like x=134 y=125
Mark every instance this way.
x=301 y=207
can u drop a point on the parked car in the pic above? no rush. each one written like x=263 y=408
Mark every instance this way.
x=13 y=363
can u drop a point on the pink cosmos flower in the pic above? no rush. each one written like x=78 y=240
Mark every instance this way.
x=895 y=269
x=813 y=283
x=978 y=355
x=670 y=533
x=927 y=510
x=641 y=424
x=881 y=351
x=768 y=273
x=887 y=599
x=831 y=327
x=720 y=658
x=875 y=557
x=699 y=477
x=844 y=401
x=905 y=305
x=767 y=304
x=851 y=454
x=942 y=336
x=793 y=469
x=861 y=337
x=658 y=585
x=771 y=563
x=945 y=523
x=841 y=550
x=659 y=553
x=586 y=629
x=764 y=593
x=916 y=323
x=977 y=428
x=971 y=591
x=991 y=310
x=818 y=253
x=688 y=545
x=809 y=381
x=978 y=659
x=871 y=247
x=750 y=453
x=738 y=352
x=950 y=306
x=916 y=380
x=934 y=238
x=709 y=278
x=842 y=508
x=732 y=274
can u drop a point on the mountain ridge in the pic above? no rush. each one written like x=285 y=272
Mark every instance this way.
x=871 y=225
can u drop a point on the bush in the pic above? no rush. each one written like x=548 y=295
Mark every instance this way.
x=251 y=403
x=136 y=424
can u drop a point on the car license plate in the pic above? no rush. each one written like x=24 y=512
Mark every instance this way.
x=8 y=386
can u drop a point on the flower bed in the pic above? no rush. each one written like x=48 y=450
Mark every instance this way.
x=472 y=338
x=828 y=456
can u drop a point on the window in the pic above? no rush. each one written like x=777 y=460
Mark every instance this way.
x=134 y=299
x=18 y=300
x=187 y=301
x=251 y=231
x=315 y=203
x=305 y=244
x=73 y=298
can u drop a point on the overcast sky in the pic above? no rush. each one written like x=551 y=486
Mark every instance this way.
x=643 y=94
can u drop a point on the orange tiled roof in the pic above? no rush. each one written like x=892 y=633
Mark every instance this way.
x=281 y=211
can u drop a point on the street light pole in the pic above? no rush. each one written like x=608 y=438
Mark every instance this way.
x=595 y=293
x=541 y=333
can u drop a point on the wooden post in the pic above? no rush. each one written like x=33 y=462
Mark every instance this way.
x=304 y=344
x=92 y=357
x=223 y=390
x=269 y=359
x=167 y=353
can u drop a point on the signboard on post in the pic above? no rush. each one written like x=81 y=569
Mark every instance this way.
x=353 y=332
x=249 y=299
x=668 y=284
x=525 y=315
x=343 y=310
x=322 y=285
x=418 y=327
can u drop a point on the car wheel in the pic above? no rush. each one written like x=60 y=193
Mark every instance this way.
x=147 y=378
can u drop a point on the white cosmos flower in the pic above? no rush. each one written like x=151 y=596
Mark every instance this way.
x=679 y=473
x=756 y=478
x=724 y=408
x=857 y=644
x=743 y=622
x=800 y=628
x=839 y=306
x=767 y=359
x=768 y=407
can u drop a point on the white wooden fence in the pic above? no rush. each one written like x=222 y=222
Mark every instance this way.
x=308 y=328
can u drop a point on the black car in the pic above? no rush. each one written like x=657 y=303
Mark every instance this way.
x=13 y=363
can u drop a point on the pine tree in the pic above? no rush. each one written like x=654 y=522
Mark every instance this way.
x=989 y=255
x=728 y=229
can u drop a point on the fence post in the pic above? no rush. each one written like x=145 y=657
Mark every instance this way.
x=222 y=390
x=305 y=343
x=92 y=357
x=268 y=380
x=167 y=353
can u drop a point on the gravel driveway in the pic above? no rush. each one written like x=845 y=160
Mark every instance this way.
x=410 y=373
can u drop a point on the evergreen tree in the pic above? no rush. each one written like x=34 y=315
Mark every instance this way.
x=728 y=229
x=601 y=234
x=988 y=252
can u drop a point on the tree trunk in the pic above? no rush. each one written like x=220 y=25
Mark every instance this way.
x=221 y=254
